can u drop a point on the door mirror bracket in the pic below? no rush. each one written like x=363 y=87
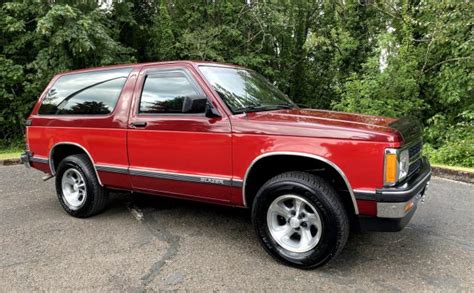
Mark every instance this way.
x=199 y=104
x=194 y=104
x=211 y=112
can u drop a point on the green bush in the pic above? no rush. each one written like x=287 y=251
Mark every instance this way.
x=451 y=144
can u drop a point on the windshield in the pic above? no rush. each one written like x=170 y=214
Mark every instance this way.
x=244 y=90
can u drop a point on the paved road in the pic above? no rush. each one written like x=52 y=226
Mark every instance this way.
x=182 y=245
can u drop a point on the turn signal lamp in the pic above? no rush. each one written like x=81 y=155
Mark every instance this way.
x=409 y=206
x=391 y=168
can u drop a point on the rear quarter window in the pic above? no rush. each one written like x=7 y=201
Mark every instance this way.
x=88 y=93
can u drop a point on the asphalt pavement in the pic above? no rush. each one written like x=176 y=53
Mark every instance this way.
x=146 y=243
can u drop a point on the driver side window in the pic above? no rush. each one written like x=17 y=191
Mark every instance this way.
x=170 y=93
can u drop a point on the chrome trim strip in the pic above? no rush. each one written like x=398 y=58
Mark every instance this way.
x=181 y=177
x=113 y=169
x=237 y=183
x=169 y=175
x=39 y=159
x=364 y=191
x=51 y=163
x=322 y=159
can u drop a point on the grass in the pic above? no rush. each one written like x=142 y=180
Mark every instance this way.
x=6 y=154
x=456 y=168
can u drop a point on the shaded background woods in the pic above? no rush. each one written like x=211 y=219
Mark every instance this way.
x=391 y=57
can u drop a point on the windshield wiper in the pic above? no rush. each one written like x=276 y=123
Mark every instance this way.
x=285 y=106
x=265 y=108
x=253 y=109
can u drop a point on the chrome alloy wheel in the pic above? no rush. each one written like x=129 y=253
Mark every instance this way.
x=294 y=223
x=74 y=189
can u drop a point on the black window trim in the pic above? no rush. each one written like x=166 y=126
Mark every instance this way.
x=108 y=115
x=169 y=71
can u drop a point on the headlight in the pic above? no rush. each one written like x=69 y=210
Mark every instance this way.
x=397 y=163
x=403 y=164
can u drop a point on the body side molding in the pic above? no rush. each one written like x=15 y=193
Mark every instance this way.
x=226 y=181
x=160 y=174
x=39 y=159
x=298 y=154
x=112 y=169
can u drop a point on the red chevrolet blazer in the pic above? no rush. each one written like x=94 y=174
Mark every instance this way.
x=223 y=134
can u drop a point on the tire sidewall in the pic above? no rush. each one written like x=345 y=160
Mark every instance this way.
x=326 y=247
x=77 y=164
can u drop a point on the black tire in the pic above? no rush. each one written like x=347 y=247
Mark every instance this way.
x=322 y=196
x=96 y=196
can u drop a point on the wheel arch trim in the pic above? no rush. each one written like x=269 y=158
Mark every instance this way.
x=51 y=153
x=299 y=154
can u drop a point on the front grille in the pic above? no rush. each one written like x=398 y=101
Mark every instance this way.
x=415 y=149
x=415 y=166
x=415 y=158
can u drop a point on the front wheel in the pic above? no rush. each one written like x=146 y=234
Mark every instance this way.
x=78 y=188
x=300 y=219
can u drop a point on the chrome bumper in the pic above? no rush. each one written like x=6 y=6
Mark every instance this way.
x=396 y=205
x=397 y=202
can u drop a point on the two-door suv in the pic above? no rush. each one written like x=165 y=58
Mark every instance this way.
x=223 y=134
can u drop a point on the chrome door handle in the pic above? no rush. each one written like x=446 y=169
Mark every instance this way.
x=138 y=124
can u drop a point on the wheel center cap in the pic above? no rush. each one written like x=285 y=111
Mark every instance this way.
x=294 y=222
x=75 y=187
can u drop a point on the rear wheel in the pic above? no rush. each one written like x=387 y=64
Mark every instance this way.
x=300 y=219
x=78 y=188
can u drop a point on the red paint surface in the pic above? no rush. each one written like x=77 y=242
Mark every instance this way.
x=367 y=207
x=220 y=147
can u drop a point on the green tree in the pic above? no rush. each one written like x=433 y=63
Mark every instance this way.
x=428 y=46
x=40 y=39
x=162 y=42
x=394 y=57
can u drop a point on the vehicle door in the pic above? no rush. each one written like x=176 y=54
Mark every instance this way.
x=173 y=147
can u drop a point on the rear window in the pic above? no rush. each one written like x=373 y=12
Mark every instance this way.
x=88 y=93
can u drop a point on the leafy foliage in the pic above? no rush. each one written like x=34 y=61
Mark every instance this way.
x=39 y=40
x=429 y=75
x=394 y=57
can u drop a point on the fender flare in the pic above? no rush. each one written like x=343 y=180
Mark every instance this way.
x=298 y=154
x=51 y=152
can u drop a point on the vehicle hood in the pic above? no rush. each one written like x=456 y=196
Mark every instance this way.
x=322 y=123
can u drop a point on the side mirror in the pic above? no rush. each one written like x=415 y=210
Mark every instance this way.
x=211 y=112
x=194 y=104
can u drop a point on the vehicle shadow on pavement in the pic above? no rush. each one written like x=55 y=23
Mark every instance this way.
x=405 y=248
